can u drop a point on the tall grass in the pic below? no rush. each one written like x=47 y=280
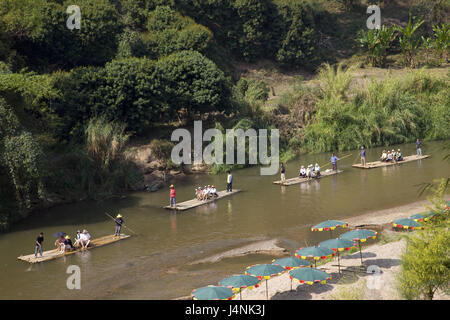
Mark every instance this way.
x=107 y=169
x=383 y=112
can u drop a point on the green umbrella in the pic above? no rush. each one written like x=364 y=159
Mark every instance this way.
x=309 y=276
x=212 y=293
x=239 y=281
x=265 y=271
x=406 y=223
x=337 y=245
x=423 y=216
x=329 y=225
x=315 y=253
x=292 y=263
x=359 y=235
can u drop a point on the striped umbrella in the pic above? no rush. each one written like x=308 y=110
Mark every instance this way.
x=212 y=293
x=329 y=225
x=240 y=281
x=315 y=253
x=359 y=235
x=309 y=276
x=406 y=223
x=338 y=245
x=422 y=216
x=291 y=263
x=265 y=271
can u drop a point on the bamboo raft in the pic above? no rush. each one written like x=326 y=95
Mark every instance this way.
x=196 y=203
x=297 y=180
x=55 y=253
x=378 y=164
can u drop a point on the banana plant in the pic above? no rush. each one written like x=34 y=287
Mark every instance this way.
x=428 y=45
x=409 y=42
x=441 y=39
x=377 y=43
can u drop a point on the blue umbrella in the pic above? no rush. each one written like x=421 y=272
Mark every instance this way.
x=338 y=245
x=359 y=235
x=212 y=293
x=59 y=234
x=292 y=263
x=237 y=282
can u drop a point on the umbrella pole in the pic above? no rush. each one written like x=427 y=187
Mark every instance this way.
x=240 y=294
x=339 y=264
x=291 y=284
x=267 y=290
x=360 y=253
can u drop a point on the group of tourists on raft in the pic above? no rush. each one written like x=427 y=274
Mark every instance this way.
x=391 y=156
x=63 y=242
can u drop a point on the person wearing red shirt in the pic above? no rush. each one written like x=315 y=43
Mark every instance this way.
x=173 y=194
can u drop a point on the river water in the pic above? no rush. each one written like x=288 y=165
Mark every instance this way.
x=156 y=263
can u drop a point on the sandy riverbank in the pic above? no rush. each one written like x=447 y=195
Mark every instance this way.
x=353 y=283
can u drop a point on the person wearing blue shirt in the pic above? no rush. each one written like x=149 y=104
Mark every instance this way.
x=419 y=147
x=334 y=160
x=363 y=156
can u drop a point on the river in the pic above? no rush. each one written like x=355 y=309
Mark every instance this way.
x=155 y=263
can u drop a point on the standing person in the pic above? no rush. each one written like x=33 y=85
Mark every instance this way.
x=419 y=147
x=119 y=223
x=229 y=182
x=283 y=171
x=334 y=161
x=173 y=195
x=38 y=247
x=363 y=156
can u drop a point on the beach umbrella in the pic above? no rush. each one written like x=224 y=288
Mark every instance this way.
x=338 y=245
x=422 y=216
x=309 y=276
x=59 y=234
x=239 y=281
x=291 y=263
x=406 y=223
x=212 y=293
x=315 y=253
x=329 y=225
x=265 y=271
x=359 y=235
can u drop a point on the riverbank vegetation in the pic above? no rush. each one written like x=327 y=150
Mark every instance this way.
x=425 y=265
x=72 y=102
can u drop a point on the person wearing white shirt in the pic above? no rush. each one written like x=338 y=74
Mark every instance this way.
x=317 y=170
x=85 y=239
x=302 y=172
x=214 y=191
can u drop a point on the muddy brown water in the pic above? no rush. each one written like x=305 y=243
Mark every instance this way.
x=156 y=264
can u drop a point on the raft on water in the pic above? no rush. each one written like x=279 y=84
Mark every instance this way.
x=55 y=253
x=297 y=180
x=196 y=203
x=377 y=164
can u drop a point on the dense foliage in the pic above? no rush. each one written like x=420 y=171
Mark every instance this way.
x=390 y=111
x=138 y=65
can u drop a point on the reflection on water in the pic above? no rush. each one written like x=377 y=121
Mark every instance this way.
x=153 y=264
